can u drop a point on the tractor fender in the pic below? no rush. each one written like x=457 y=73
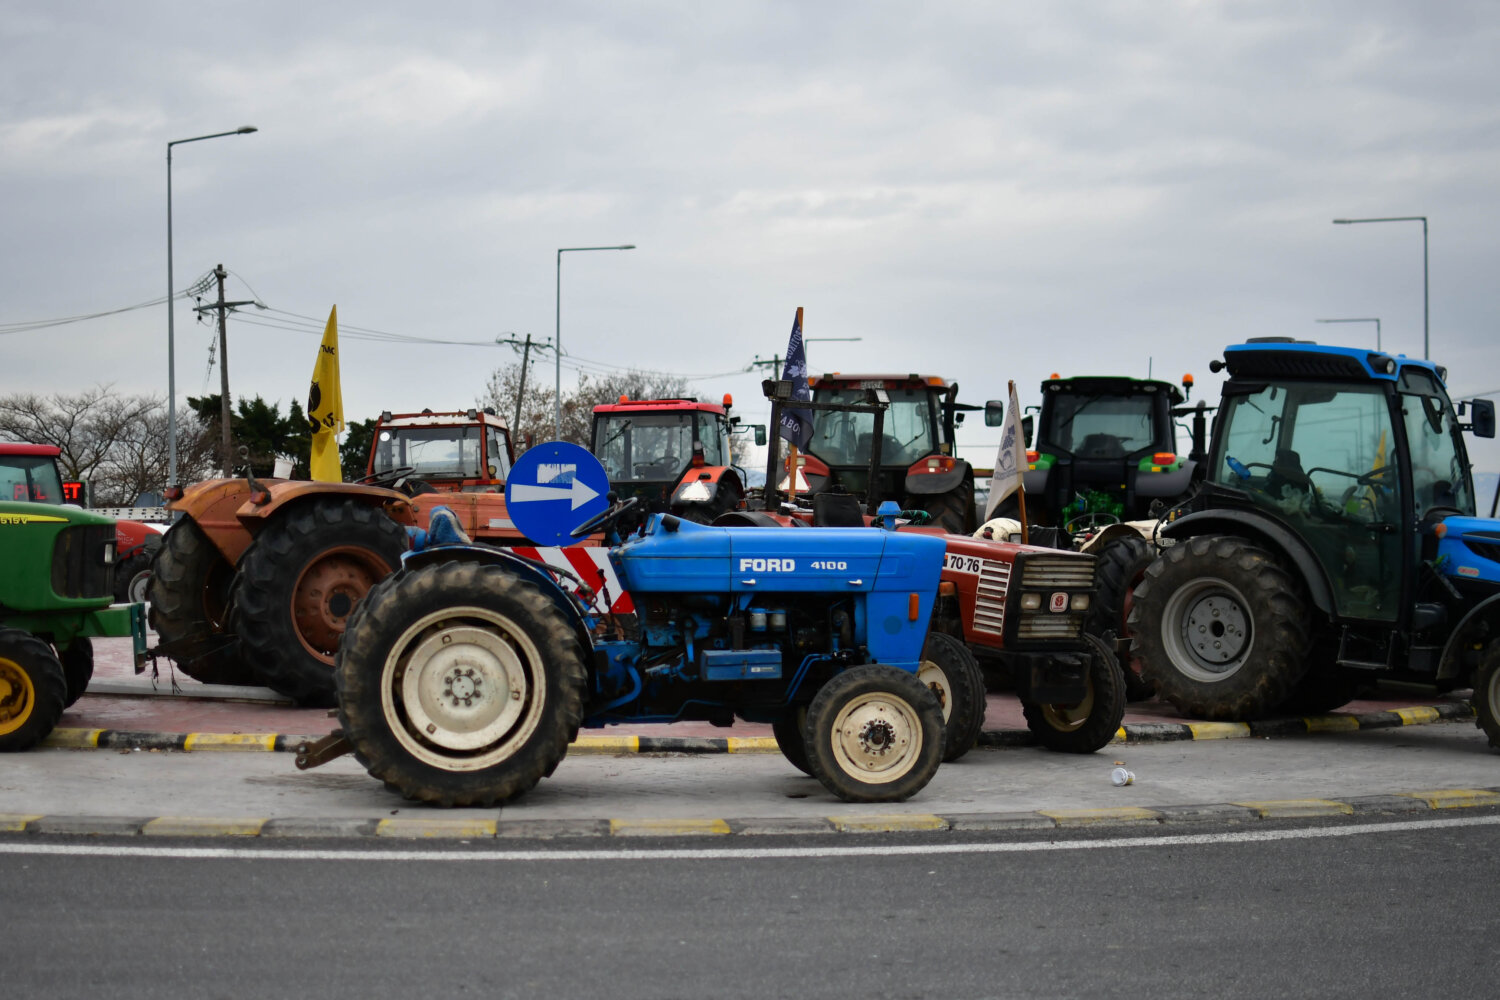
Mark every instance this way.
x=701 y=485
x=525 y=568
x=1265 y=532
x=933 y=483
x=1124 y=529
x=1166 y=484
x=231 y=514
x=132 y=537
x=1485 y=613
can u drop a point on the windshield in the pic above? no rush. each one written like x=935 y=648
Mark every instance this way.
x=1099 y=425
x=434 y=452
x=647 y=447
x=30 y=477
x=843 y=439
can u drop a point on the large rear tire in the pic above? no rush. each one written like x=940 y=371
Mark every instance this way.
x=1117 y=569
x=1087 y=725
x=952 y=511
x=189 y=594
x=298 y=583
x=874 y=734
x=32 y=690
x=1220 y=628
x=460 y=684
x=1487 y=693
x=951 y=673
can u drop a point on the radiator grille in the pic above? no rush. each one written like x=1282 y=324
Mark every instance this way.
x=989 y=601
x=1059 y=571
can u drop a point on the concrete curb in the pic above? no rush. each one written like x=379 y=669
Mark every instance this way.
x=1135 y=732
x=498 y=828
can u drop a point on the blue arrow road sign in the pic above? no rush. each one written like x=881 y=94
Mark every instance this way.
x=552 y=489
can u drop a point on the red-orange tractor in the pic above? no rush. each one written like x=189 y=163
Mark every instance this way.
x=916 y=463
x=255 y=581
x=674 y=454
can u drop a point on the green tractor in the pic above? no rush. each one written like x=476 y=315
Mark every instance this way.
x=54 y=598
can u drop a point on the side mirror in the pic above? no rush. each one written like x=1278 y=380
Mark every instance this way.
x=760 y=434
x=994 y=413
x=1482 y=422
x=958 y=419
x=1028 y=424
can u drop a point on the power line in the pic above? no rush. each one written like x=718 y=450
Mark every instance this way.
x=26 y=326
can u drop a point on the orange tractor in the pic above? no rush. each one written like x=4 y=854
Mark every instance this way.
x=255 y=581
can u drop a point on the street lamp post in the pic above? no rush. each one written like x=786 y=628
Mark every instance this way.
x=171 y=292
x=1426 y=344
x=557 y=340
x=1368 y=319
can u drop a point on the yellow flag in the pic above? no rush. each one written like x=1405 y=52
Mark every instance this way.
x=325 y=406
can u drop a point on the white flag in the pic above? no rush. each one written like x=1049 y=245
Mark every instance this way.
x=1010 y=460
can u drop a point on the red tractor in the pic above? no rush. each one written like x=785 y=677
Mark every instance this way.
x=915 y=463
x=674 y=454
x=28 y=472
x=255 y=582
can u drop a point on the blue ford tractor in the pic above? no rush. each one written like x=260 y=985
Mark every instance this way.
x=464 y=676
x=1332 y=543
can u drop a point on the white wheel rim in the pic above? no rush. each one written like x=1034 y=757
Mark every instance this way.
x=877 y=737
x=462 y=689
x=135 y=590
x=935 y=679
x=1066 y=718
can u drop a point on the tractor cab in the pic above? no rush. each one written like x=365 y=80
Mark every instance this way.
x=28 y=473
x=452 y=452
x=917 y=464
x=674 y=454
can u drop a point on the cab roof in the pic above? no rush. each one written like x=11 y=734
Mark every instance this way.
x=910 y=380
x=14 y=448
x=1113 y=385
x=660 y=406
x=1283 y=357
x=443 y=418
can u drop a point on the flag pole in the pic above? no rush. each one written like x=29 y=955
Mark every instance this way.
x=1021 y=484
x=791 y=474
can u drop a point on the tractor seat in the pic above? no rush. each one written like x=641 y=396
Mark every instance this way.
x=837 y=510
x=1101 y=446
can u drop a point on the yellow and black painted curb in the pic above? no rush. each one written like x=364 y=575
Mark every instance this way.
x=497 y=827
x=1135 y=732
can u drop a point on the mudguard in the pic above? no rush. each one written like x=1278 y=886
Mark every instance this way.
x=1267 y=532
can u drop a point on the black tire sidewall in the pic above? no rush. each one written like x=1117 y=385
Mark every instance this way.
x=1106 y=682
x=965 y=691
x=48 y=685
x=182 y=572
x=380 y=621
x=77 y=662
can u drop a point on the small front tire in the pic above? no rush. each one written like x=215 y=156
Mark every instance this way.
x=1089 y=724
x=1487 y=693
x=951 y=673
x=874 y=734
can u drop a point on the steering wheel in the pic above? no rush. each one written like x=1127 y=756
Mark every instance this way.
x=608 y=516
x=386 y=477
x=1090 y=523
x=1368 y=479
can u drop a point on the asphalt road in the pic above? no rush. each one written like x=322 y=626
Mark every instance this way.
x=1356 y=908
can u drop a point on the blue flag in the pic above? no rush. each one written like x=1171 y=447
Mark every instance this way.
x=796 y=424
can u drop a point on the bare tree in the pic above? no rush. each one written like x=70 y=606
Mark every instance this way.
x=117 y=443
x=538 y=416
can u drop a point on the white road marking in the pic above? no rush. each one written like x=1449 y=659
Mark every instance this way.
x=19 y=847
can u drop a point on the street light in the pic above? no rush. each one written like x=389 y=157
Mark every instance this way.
x=1426 y=352
x=1370 y=319
x=557 y=340
x=171 y=291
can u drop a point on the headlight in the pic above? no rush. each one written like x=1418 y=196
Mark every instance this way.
x=1031 y=602
x=1080 y=602
x=109 y=553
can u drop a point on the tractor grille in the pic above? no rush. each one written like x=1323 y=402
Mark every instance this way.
x=1035 y=625
x=1484 y=550
x=989 y=600
x=1057 y=571
x=83 y=560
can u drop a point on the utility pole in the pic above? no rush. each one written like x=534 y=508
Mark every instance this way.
x=526 y=350
x=222 y=308
x=774 y=364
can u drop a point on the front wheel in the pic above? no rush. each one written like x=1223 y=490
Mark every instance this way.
x=132 y=577
x=77 y=661
x=789 y=739
x=951 y=673
x=32 y=689
x=1220 y=628
x=874 y=734
x=460 y=684
x=1087 y=725
x=1487 y=693
x=188 y=591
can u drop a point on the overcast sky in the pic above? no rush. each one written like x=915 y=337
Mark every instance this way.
x=986 y=191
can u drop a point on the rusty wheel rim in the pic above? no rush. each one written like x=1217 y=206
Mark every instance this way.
x=326 y=593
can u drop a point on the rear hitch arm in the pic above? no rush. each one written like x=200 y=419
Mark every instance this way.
x=320 y=752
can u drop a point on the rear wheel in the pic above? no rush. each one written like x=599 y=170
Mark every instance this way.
x=77 y=662
x=1087 y=725
x=1487 y=693
x=32 y=689
x=950 y=672
x=952 y=511
x=1220 y=628
x=298 y=584
x=460 y=684
x=874 y=734
x=1119 y=567
x=189 y=593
